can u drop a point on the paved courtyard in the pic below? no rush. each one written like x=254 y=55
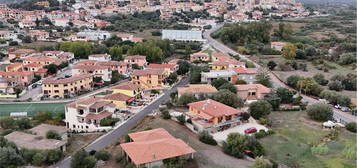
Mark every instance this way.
x=221 y=136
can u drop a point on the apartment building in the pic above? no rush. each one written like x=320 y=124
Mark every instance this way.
x=96 y=70
x=136 y=59
x=149 y=78
x=68 y=86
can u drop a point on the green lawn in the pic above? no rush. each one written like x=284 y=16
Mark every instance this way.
x=295 y=134
x=31 y=108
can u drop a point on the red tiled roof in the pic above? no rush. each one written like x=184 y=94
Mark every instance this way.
x=210 y=108
x=126 y=86
x=159 y=66
x=135 y=57
x=99 y=116
x=148 y=72
x=149 y=135
x=118 y=97
x=197 y=88
x=242 y=70
x=259 y=87
x=67 y=80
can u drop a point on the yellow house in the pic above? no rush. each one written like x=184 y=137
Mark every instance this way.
x=68 y=86
x=220 y=65
x=149 y=78
x=119 y=99
x=127 y=88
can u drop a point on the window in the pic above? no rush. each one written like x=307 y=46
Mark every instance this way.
x=55 y=85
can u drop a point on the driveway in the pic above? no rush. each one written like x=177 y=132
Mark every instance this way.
x=222 y=136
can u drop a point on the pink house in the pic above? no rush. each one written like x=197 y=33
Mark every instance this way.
x=136 y=59
x=24 y=78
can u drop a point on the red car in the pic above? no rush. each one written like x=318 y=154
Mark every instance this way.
x=250 y=130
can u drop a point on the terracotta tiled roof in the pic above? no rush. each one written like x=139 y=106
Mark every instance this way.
x=197 y=88
x=159 y=66
x=99 y=116
x=126 y=86
x=211 y=108
x=33 y=65
x=98 y=55
x=118 y=97
x=259 y=87
x=155 y=145
x=67 y=80
x=242 y=70
x=219 y=54
x=135 y=57
x=199 y=54
x=148 y=72
x=149 y=135
x=15 y=73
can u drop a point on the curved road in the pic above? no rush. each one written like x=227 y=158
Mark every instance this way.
x=114 y=135
x=338 y=114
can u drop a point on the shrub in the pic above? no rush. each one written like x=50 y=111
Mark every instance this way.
x=260 y=134
x=319 y=150
x=335 y=97
x=319 y=112
x=293 y=80
x=186 y=99
x=335 y=85
x=165 y=114
x=109 y=122
x=352 y=126
x=38 y=159
x=189 y=120
x=245 y=116
x=206 y=138
x=271 y=65
x=53 y=135
x=263 y=121
x=181 y=118
x=320 y=79
x=102 y=155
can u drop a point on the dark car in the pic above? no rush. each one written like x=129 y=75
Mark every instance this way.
x=250 y=130
x=34 y=86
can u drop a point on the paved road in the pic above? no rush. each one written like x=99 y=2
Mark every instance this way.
x=338 y=114
x=113 y=136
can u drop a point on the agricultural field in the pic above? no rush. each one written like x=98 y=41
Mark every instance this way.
x=294 y=136
x=31 y=108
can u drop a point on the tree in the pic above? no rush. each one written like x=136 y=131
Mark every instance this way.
x=286 y=95
x=289 y=51
x=7 y=123
x=81 y=159
x=183 y=68
x=81 y=50
x=228 y=86
x=206 y=138
x=228 y=98
x=97 y=79
x=284 y=31
x=335 y=98
x=38 y=159
x=9 y=157
x=245 y=116
x=234 y=145
x=116 y=53
x=350 y=83
x=352 y=126
x=17 y=92
x=274 y=100
x=24 y=123
x=116 y=77
x=27 y=39
x=53 y=135
x=53 y=156
x=165 y=114
x=263 y=78
x=271 y=65
x=319 y=112
x=102 y=155
x=219 y=82
x=186 y=99
x=51 y=69
x=320 y=79
x=171 y=79
x=259 y=109
x=308 y=86
x=260 y=162
x=153 y=53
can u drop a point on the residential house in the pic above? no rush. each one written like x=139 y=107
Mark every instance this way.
x=7 y=86
x=99 y=57
x=277 y=45
x=168 y=68
x=136 y=59
x=120 y=66
x=22 y=78
x=246 y=74
x=154 y=146
x=119 y=99
x=149 y=78
x=84 y=115
x=252 y=92
x=13 y=67
x=216 y=56
x=68 y=86
x=127 y=88
x=39 y=35
x=63 y=22
x=197 y=90
x=213 y=116
x=229 y=75
x=20 y=53
x=36 y=138
x=200 y=56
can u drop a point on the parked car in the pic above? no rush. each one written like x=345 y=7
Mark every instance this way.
x=345 y=109
x=34 y=86
x=68 y=76
x=250 y=130
x=337 y=106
